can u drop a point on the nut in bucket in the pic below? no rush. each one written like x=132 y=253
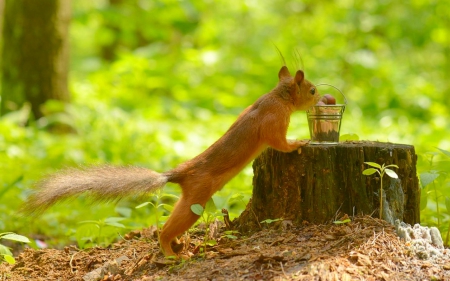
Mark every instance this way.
x=324 y=119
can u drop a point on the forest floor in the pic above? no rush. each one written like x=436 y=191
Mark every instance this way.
x=363 y=249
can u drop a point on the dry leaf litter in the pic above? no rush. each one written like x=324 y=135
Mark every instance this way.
x=363 y=249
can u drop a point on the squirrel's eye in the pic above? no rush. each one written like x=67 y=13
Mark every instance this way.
x=312 y=91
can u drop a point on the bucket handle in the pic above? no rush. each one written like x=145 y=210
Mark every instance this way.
x=322 y=84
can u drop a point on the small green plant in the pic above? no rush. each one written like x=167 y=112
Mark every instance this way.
x=5 y=253
x=208 y=214
x=349 y=137
x=381 y=170
x=95 y=231
x=435 y=183
x=342 y=221
x=437 y=177
x=429 y=178
x=230 y=234
x=157 y=205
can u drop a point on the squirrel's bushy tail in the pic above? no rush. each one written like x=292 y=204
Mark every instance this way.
x=103 y=183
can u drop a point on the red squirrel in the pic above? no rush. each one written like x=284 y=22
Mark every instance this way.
x=262 y=124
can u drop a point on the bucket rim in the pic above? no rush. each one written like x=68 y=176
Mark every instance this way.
x=325 y=84
x=340 y=106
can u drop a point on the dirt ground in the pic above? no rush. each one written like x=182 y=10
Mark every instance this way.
x=364 y=249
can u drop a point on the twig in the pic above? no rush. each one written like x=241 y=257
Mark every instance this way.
x=72 y=268
x=257 y=220
x=337 y=212
x=282 y=269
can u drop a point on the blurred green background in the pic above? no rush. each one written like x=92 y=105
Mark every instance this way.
x=154 y=83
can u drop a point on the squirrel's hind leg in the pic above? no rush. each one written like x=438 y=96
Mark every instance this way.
x=181 y=219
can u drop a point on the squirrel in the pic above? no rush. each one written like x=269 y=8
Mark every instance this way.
x=262 y=124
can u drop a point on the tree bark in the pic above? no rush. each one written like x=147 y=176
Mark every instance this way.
x=35 y=53
x=326 y=181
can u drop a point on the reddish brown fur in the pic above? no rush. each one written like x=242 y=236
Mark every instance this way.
x=265 y=123
x=262 y=124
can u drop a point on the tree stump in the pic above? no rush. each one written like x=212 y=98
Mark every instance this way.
x=326 y=181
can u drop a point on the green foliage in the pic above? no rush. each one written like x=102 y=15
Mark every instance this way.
x=154 y=83
x=435 y=198
x=197 y=209
x=98 y=232
x=207 y=214
x=381 y=170
x=230 y=234
x=5 y=253
x=349 y=137
x=156 y=204
x=342 y=221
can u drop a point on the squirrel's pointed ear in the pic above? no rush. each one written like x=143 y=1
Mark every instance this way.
x=299 y=76
x=284 y=72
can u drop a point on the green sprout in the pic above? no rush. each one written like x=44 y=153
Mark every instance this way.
x=157 y=205
x=381 y=170
x=5 y=253
x=208 y=214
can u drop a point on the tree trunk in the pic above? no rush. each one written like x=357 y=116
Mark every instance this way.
x=2 y=16
x=35 y=53
x=326 y=181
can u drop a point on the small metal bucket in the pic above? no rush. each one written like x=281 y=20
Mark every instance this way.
x=324 y=121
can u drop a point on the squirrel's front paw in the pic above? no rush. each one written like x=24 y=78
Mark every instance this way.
x=303 y=143
x=298 y=143
x=177 y=246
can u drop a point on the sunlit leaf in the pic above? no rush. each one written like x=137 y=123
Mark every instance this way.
x=369 y=171
x=342 y=222
x=168 y=207
x=124 y=211
x=447 y=153
x=163 y=218
x=391 y=165
x=373 y=164
x=114 y=219
x=348 y=137
x=168 y=195
x=9 y=259
x=211 y=242
x=236 y=198
x=15 y=237
x=197 y=209
x=391 y=173
x=210 y=206
x=144 y=204
x=427 y=178
x=4 y=250
x=89 y=222
x=115 y=224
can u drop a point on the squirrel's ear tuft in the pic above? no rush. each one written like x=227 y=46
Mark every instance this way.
x=299 y=76
x=284 y=72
